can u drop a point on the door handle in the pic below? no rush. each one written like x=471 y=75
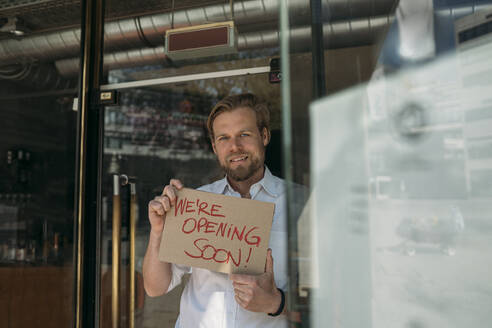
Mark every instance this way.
x=116 y=256
x=132 y=225
x=118 y=181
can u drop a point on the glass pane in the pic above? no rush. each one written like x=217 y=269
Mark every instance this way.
x=37 y=162
x=347 y=40
x=395 y=230
x=157 y=131
x=156 y=134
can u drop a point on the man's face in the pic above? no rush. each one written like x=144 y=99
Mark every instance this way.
x=238 y=144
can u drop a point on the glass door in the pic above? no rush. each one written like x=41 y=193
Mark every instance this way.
x=154 y=134
x=37 y=162
x=156 y=131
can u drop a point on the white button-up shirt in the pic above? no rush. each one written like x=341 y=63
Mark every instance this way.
x=208 y=298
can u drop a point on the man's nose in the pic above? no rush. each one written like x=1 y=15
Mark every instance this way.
x=235 y=144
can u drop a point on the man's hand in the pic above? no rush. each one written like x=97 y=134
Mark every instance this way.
x=157 y=275
x=257 y=293
x=161 y=204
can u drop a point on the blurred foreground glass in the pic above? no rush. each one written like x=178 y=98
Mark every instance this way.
x=401 y=201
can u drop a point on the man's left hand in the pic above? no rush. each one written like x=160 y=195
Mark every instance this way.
x=257 y=293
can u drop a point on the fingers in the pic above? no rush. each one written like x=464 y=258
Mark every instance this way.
x=243 y=297
x=169 y=192
x=242 y=278
x=269 y=262
x=164 y=201
x=176 y=183
x=157 y=212
x=161 y=204
x=239 y=301
x=243 y=291
x=156 y=207
x=171 y=189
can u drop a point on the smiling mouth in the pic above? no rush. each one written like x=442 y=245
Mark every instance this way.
x=238 y=159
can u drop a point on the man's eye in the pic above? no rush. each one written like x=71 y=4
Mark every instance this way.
x=244 y=134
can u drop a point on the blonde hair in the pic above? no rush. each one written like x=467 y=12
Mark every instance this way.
x=247 y=100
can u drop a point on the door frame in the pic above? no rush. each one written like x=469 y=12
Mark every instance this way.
x=90 y=147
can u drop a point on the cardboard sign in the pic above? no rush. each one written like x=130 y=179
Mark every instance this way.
x=217 y=232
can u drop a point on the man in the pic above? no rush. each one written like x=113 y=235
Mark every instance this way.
x=238 y=127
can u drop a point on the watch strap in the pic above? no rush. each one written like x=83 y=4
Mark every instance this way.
x=282 y=304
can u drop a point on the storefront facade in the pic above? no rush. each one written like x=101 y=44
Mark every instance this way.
x=381 y=123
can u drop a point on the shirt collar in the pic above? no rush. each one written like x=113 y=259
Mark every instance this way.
x=222 y=184
x=267 y=182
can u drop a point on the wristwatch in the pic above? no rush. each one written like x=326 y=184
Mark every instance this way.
x=282 y=304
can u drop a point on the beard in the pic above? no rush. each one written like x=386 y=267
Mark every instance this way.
x=243 y=172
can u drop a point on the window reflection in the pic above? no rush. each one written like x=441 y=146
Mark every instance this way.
x=400 y=207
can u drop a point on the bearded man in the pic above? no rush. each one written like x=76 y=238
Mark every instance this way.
x=239 y=131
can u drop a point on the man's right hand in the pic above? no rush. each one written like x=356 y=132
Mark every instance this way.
x=157 y=274
x=161 y=204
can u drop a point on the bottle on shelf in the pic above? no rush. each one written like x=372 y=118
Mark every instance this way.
x=11 y=250
x=46 y=243
x=4 y=250
x=55 y=250
x=20 y=252
x=31 y=251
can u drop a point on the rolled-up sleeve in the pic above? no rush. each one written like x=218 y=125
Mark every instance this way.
x=178 y=272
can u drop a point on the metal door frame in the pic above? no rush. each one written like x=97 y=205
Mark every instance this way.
x=90 y=135
x=88 y=168
x=186 y=78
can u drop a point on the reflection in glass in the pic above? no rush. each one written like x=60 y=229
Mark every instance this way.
x=400 y=206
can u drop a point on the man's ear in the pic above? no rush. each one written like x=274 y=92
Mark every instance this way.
x=213 y=147
x=266 y=136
